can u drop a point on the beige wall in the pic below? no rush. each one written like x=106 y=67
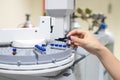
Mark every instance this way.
x=12 y=12
x=36 y=10
x=113 y=19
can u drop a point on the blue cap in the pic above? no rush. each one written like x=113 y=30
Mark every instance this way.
x=38 y=47
x=103 y=26
x=69 y=37
x=43 y=45
x=43 y=49
x=60 y=45
x=56 y=45
x=64 y=46
x=14 y=49
x=51 y=44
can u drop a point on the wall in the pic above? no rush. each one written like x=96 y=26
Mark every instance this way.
x=113 y=19
x=37 y=10
x=12 y=12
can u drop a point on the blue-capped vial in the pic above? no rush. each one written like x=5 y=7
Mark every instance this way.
x=68 y=42
x=43 y=45
x=52 y=44
x=69 y=37
x=43 y=50
x=14 y=51
x=64 y=46
x=56 y=45
x=60 y=45
x=38 y=48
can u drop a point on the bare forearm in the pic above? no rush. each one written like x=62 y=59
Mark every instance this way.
x=110 y=62
x=86 y=40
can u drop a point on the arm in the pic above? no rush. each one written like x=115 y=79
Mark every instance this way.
x=110 y=62
x=86 y=40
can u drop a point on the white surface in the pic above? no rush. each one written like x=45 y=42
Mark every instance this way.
x=62 y=16
x=54 y=8
x=37 y=70
x=13 y=34
x=26 y=43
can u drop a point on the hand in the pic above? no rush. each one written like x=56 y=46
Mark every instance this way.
x=86 y=40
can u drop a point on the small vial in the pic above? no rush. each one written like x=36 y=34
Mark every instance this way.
x=60 y=45
x=38 y=48
x=56 y=45
x=43 y=45
x=64 y=46
x=43 y=50
x=68 y=42
x=69 y=37
x=14 y=51
x=51 y=45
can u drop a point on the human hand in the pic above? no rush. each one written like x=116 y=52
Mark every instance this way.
x=86 y=40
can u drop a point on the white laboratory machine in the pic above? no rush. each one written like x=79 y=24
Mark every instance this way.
x=33 y=54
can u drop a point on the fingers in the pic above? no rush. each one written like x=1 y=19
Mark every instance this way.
x=77 y=41
x=78 y=37
x=76 y=32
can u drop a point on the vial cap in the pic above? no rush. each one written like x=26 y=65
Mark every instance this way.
x=103 y=26
x=60 y=45
x=38 y=47
x=43 y=49
x=43 y=45
x=64 y=46
x=14 y=49
x=51 y=44
x=56 y=45
x=69 y=37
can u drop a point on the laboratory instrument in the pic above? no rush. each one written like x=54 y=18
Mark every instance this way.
x=32 y=53
x=39 y=54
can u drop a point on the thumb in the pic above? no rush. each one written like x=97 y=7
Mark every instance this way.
x=77 y=40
